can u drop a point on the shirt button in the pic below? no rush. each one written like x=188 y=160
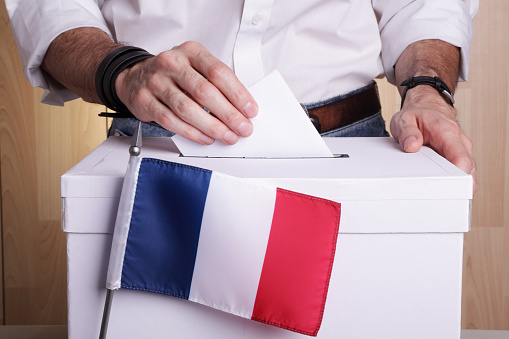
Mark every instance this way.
x=255 y=20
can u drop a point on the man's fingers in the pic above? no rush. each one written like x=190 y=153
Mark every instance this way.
x=148 y=107
x=208 y=95
x=222 y=77
x=460 y=154
x=213 y=85
x=161 y=114
x=179 y=104
x=456 y=147
x=407 y=133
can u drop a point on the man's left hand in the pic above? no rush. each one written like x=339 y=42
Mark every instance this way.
x=427 y=119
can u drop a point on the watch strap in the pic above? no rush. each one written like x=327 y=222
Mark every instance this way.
x=434 y=82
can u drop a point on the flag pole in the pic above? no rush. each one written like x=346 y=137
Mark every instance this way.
x=106 y=314
x=134 y=150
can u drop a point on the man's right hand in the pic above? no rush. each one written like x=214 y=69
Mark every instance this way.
x=172 y=87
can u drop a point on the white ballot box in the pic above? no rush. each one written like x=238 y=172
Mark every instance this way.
x=398 y=264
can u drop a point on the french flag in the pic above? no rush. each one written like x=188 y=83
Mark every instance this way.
x=259 y=252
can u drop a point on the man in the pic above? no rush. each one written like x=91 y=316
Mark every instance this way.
x=208 y=52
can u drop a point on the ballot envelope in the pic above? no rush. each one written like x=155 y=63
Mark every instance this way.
x=398 y=263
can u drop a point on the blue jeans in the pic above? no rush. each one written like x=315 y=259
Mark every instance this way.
x=372 y=126
x=127 y=126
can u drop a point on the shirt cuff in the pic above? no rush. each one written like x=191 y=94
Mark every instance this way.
x=35 y=24
x=449 y=21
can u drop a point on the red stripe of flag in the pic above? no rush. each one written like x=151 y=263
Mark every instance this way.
x=298 y=262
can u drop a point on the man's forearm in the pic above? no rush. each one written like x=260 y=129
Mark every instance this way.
x=429 y=58
x=426 y=117
x=73 y=58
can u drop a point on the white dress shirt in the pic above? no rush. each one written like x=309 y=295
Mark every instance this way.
x=322 y=48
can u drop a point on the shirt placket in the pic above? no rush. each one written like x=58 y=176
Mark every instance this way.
x=247 y=58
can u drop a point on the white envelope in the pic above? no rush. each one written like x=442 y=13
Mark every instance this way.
x=282 y=129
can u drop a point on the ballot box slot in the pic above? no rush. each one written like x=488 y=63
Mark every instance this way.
x=278 y=158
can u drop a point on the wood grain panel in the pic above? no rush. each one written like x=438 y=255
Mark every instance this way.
x=63 y=136
x=485 y=117
x=37 y=144
x=485 y=279
x=489 y=88
x=390 y=100
x=3 y=55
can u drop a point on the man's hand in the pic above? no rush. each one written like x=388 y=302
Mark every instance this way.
x=172 y=88
x=427 y=119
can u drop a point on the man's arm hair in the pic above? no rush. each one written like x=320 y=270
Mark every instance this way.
x=429 y=58
x=73 y=57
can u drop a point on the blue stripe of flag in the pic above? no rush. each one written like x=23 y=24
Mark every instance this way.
x=163 y=237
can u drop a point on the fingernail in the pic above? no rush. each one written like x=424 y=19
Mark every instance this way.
x=245 y=129
x=205 y=139
x=230 y=137
x=250 y=110
x=408 y=141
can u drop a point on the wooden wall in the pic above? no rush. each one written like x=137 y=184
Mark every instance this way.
x=485 y=104
x=38 y=143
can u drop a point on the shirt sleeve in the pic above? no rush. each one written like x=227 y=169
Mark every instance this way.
x=403 y=22
x=35 y=23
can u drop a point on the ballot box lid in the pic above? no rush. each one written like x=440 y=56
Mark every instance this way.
x=370 y=175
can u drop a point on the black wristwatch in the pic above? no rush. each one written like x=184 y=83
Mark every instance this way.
x=434 y=82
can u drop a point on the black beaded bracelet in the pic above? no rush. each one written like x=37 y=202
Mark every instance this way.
x=108 y=71
x=434 y=82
